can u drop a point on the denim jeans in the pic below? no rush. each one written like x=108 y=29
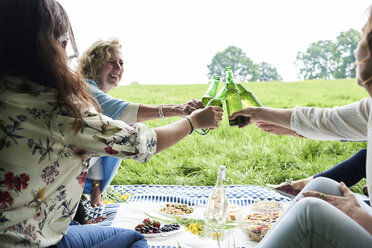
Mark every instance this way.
x=88 y=236
x=350 y=171
x=312 y=222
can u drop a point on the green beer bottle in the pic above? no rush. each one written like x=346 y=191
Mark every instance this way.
x=211 y=91
x=247 y=97
x=216 y=101
x=233 y=102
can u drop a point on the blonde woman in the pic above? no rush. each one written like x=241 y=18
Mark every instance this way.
x=50 y=126
x=102 y=66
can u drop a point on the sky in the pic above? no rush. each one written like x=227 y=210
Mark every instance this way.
x=173 y=41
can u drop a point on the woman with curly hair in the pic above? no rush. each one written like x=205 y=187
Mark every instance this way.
x=49 y=128
x=102 y=66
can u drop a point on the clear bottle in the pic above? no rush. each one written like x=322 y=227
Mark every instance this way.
x=233 y=102
x=247 y=97
x=216 y=213
x=211 y=91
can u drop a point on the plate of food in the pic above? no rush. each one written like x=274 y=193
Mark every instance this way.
x=154 y=229
x=256 y=219
x=176 y=209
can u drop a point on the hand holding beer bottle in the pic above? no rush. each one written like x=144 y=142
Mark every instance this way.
x=208 y=117
x=216 y=101
x=236 y=96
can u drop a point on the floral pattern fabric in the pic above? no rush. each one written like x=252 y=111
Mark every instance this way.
x=44 y=159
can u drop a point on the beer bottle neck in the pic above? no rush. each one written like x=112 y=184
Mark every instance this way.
x=230 y=78
x=212 y=89
x=241 y=88
x=221 y=95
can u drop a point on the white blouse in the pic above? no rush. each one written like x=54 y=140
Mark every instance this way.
x=350 y=122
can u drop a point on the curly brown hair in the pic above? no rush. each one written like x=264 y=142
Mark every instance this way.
x=30 y=32
x=95 y=57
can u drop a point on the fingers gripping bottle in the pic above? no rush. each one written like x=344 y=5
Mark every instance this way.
x=247 y=97
x=211 y=91
x=233 y=102
x=216 y=213
x=216 y=101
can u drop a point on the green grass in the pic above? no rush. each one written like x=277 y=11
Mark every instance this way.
x=250 y=155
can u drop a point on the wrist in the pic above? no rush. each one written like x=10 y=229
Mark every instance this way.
x=358 y=214
x=175 y=110
x=169 y=110
x=190 y=123
x=161 y=111
x=256 y=114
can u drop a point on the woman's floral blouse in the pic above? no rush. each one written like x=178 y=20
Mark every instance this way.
x=43 y=160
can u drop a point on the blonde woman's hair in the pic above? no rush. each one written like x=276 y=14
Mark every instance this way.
x=95 y=57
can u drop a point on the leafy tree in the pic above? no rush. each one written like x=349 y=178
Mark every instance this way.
x=327 y=59
x=268 y=73
x=319 y=61
x=347 y=42
x=243 y=67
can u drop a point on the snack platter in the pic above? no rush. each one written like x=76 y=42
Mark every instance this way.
x=260 y=224
x=162 y=234
x=256 y=220
x=153 y=229
x=176 y=209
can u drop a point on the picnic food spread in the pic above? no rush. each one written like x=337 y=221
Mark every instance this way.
x=260 y=223
x=256 y=219
x=231 y=212
x=177 y=209
x=149 y=226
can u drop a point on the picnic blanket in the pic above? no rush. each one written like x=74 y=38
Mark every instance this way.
x=148 y=198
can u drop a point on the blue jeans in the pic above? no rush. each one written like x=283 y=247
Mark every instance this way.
x=350 y=171
x=312 y=222
x=88 y=236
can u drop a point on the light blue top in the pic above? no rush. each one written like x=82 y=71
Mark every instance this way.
x=112 y=107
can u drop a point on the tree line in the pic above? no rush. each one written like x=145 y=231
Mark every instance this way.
x=325 y=59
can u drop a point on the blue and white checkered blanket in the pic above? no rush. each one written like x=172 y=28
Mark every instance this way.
x=240 y=195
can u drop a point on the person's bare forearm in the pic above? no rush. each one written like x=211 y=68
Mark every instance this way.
x=281 y=117
x=152 y=112
x=170 y=134
x=147 y=113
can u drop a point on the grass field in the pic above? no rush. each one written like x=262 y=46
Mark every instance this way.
x=250 y=155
